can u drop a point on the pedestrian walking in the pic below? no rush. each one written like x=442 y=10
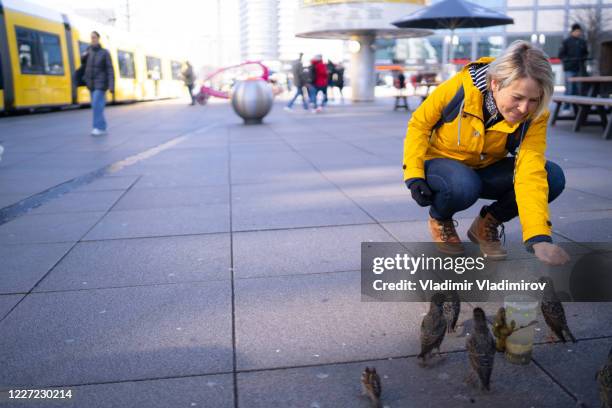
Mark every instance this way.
x=457 y=150
x=573 y=53
x=339 y=80
x=99 y=77
x=189 y=79
x=331 y=77
x=297 y=70
x=318 y=75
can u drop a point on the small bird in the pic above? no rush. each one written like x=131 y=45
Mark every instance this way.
x=501 y=329
x=370 y=384
x=481 y=349
x=433 y=327
x=604 y=379
x=553 y=312
x=452 y=308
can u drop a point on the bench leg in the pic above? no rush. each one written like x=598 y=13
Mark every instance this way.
x=608 y=132
x=602 y=114
x=581 y=117
x=555 y=115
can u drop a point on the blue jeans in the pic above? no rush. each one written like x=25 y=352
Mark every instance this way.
x=299 y=91
x=314 y=92
x=571 y=88
x=98 y=101
x=456 y=187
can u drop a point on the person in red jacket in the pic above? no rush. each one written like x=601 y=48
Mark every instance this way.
x=318 y=73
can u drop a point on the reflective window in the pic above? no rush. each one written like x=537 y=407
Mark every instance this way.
x=176 y=69
x=83 y=46
x=551 y=20
x=52 y=54
x=523 y=21
x=29 y=58
x=126 y=64
x=153 y=68
x=489 y=46
x=552 y=44
x=39 y=52
x=462 y=50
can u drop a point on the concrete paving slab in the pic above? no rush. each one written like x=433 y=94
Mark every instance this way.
x=121 y=334
x=147 y=261
x=173 y=197
x=31 y=229
x=594 y=226
x=337 y=210
x=404 y=384
x=594 y=180
x=319 y=319
x=90 y=201
x=162 y=222
x=575 y=366
x=302 y=251
x=205 y=391
x=10 y=199
x=178 y=178
x=24 y=265
x=108 y=183
x=574 y=200
x=7 y=302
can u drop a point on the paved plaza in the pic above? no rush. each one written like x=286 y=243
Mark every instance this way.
x=187 y=260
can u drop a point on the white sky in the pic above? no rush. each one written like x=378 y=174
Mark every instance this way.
x=188 y=27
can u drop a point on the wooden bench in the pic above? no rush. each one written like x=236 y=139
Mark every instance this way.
x=585 y=105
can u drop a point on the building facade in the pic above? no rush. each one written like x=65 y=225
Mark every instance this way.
x=543 y=22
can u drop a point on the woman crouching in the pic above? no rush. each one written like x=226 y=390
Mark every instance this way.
x=453 y=157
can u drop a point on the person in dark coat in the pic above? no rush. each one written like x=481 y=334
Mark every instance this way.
x=573 y=53
x=299 y=81
x=99 y=77
x=189 y=79
x=339 y=79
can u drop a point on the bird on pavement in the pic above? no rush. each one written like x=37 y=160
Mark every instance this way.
x=553 y=312
x=604 y=380
x=433 y=327
x=370 y=384
x=481 y=349
x=501 y=329
x=452 y=308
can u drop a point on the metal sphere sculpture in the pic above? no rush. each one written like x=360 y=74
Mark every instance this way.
x=252 y=100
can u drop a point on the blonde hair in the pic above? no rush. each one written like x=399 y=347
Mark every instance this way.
x=523 y=60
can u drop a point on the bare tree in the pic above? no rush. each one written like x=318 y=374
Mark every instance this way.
x=593 y=24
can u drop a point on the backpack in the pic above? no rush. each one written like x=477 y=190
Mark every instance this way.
x=450 y=112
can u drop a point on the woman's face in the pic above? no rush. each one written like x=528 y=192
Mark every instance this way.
x=518 y=100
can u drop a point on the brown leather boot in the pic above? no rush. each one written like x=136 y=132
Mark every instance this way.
x=445 y=236
x=484 y=232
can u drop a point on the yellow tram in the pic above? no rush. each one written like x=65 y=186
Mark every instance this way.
x=40 y=49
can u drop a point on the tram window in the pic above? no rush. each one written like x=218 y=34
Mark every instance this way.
x=39 y=53
x=83 y=46
x=176 y=69
x=126 y=64
x=153 y=68
x=52 y=54
x=29 y=56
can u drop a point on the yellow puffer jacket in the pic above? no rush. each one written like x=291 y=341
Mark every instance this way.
x=465 y=140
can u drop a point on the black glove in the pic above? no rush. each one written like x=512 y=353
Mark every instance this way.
x=421 y=193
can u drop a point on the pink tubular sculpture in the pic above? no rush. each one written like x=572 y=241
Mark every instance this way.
x=206 y=91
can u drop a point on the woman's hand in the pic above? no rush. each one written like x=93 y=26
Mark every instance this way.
x=550 y=253
x=421 y=193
